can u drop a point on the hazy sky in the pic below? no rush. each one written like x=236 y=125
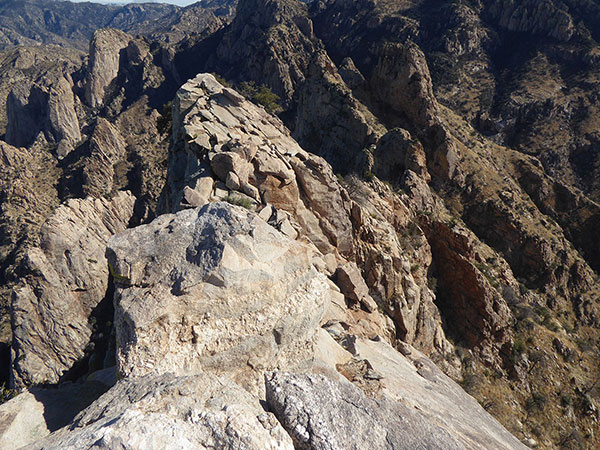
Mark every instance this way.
x=120 y=2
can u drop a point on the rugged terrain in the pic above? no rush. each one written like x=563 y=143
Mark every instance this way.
x=67 y=24
x=425 y=195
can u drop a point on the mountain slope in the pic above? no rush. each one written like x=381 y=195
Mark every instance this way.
x=25 y=22
x=441 y=159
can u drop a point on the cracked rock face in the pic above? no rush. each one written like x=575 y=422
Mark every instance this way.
x=103 y=68
x=538 y=17
x=167 y=412
x=286 y=39
x=320 y=413
x=411 y=380
x=44 y=112
x=225 y=145
x=107 y=146
x=216 y=289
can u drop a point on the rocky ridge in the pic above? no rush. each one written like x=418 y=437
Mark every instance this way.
x=176 y=403
x=435 y=231
x=220 y=153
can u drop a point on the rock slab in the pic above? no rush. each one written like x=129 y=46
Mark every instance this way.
x=175 y=413
x=321 y=413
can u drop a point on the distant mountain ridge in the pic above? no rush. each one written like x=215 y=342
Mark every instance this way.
x=30 y=22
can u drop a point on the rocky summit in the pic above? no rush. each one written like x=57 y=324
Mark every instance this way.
x=322 y=224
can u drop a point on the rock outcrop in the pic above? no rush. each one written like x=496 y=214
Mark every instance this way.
x=396 y=152
x=331 y=122
x=103 y=65
x=29 y=195
x=321 y=413
x=62 y=282
x=24 y=65
x=106 y=148
x=286 y=39
x=43 y=113
x=37 y=412
x=467 y=296
x=412 y=380
x=225 y=144
x=401 y=80
x=547 y=18
x=228 y=294
x=219 y=153
x=395 y=259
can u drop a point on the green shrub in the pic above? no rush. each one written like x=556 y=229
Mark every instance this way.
x=584 y=345
x=165 y=120
x=262 y=95
x=518 y=347
x=239 y=201
x=572 y=440
x=537 y=401
x=543 y=312
x=6 y=394
x=470 y=380
x=432 y=283
x=221 y=80
x=247 y=89
x=368 y=175
x=267 y=98
x=523 y=289
x=566 y=400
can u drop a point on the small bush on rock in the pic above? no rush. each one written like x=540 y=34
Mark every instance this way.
x=6 y=394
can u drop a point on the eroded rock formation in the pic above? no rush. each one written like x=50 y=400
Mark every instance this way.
x=174 y=402
x=452 y=206
x=63 y=281
x=105 y=49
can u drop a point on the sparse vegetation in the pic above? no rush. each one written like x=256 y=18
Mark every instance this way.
x=238 y=200
x=221 y=80
x=368 y=175
x=488 y=274
x=262 y=95
x=6 y=393
x=432 y=283
x=470 y=381
x=535 y=402
x=165 y=120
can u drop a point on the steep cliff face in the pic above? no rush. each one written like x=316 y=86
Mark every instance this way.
x=331 y=122
x=28 y=183
x=62 y=282
x=43 y=115
x=103 y=66
x=269 y=42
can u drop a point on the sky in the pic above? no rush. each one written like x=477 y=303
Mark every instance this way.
x=122 y=2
